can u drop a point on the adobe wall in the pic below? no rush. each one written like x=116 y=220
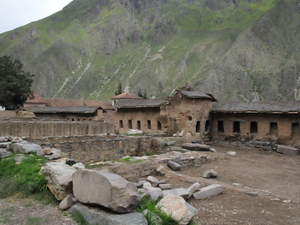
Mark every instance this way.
x=7 y=114
x=148 y=119
x=95 y=148
x=287 y=132
x=187 y=114
x=38 y=128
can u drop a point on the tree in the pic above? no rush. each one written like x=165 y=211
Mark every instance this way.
x=119 y=91
x=15 y=84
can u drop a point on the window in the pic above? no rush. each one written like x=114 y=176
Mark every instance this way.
x=220 y=126
x=158 y=125
x=198 y=126
x=121 y=124
x=207 y=125
x=273 y=128
x=149 y=124
x=253 y=127
x=190 y=118
x=138 y=125
x=129 y=124
x=236 y=127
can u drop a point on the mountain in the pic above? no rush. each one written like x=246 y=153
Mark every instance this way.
x=238 y=50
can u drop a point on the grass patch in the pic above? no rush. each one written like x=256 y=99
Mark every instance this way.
x=5 y=214
x=154 y=216
x=34 y=221
x=130 y=160
x=24 y=178
x=79 y=219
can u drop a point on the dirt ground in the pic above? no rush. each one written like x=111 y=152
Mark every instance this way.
x=274 y=175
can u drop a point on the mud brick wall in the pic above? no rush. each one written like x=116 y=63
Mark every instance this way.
x=23 y=128
x=95 y=148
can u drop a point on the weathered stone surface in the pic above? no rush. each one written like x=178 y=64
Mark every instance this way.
x=182 y=192
x=4 y=153
x=59 y=178
x=4 y=139
x=153 y=192
x=178 y=208
x=210 y=174
x=78 y=166
x=19 y=157
x=153 y=180
x=252 y=193
x=25 y=147
x=15 y=139
x=54 y=154
x=196 y=147
x=5 y=145
x=105 y=189
x=165 y=186
x=206 y=192
x=232 y=153
x=67 y=202
x=193 y=188
x=164 y=181
x=100 y=216
x=159 y=171
x=287 y=150
x=174 y=165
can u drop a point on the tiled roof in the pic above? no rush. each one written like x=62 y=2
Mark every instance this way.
x=195 y=94
x=138 y=103
x=51 y=102
x=86 y=109
x=257 y=107
x=126 y=95
x=37 y=100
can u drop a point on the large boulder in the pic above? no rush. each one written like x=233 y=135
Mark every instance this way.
x=25 y=147
x=105 y=189
x=4 y=139
x=59 y=178
x=178 y=208
x=100 y=216
x=196 y=147
x=4 y=153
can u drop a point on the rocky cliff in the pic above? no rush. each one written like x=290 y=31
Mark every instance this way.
x=238 y=50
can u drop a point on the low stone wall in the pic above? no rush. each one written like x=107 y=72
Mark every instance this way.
x=39 y=128
x=95 y=148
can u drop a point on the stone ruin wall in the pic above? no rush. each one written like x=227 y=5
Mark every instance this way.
x=95 y=148
x=23 y=128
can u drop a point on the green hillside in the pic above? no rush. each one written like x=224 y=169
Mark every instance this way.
x=238 y=50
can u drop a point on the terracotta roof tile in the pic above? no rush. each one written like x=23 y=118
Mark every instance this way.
x=37 y=100
x=126 y=95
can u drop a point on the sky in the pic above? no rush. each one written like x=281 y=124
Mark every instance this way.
x=16 y=13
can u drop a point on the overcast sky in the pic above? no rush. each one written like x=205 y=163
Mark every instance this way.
x=16 y=13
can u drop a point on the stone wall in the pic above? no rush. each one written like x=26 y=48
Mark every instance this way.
x=23 y=128
x=95 y=148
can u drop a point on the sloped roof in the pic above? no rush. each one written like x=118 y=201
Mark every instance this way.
x=195 y=94
x=75 y=109
x=51 y=102
x=37 y=100
x=138 y=103
x=257 y=107
x=126 y=95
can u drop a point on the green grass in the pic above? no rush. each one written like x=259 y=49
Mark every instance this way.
x=129 y=160
x=79 y=219
x=24 y=178
x=154 y=212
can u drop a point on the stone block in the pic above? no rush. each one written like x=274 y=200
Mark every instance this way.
x=4 y=153
x=287 y=150
x=154 y=192
x=174 y=166
x=193 y=188
x=67 y=202
x=101 y=216
x=105 y=189
x=178 y=208
x=25 y=147
x=165 y=186
x=206 y=192
x=182 y=192
x=196 y=147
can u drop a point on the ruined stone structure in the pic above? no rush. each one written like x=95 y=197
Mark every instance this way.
x=39 y=128
x=95 y=148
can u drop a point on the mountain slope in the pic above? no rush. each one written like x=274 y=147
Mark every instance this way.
x=235 y=49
